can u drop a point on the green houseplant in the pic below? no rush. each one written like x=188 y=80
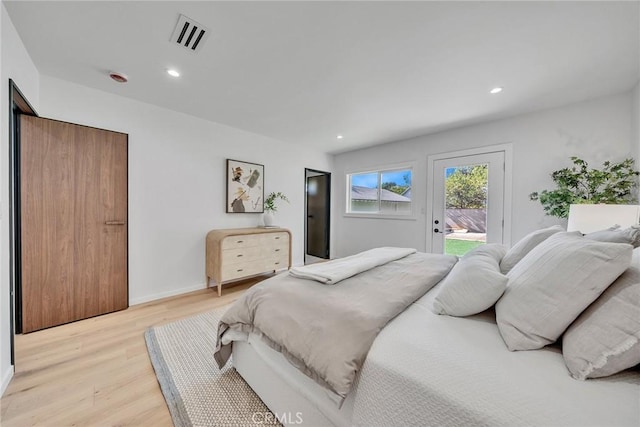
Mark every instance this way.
x=270 y=206
x=270 y=201
x=579 y=184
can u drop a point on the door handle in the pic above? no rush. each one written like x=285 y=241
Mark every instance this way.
x=309 y=216
x=114 y=223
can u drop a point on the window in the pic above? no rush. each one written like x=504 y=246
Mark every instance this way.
x=386 y=192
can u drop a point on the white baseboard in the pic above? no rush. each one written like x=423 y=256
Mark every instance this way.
x=6 y=379
x=171 y=293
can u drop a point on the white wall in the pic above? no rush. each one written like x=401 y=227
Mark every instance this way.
x=15 y=64
x=177 y=184
x=596 y=130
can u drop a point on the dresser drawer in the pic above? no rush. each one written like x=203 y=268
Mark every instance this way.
x=269 y=239
x=243 y=241
x=235 y=271
x=276 y=263
x=241 y=255
x=275 y=251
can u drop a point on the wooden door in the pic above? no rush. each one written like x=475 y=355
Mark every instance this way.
x=73 y=201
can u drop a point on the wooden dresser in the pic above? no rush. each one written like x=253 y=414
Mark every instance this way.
x=237 y=253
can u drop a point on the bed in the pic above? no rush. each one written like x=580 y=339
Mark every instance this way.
x=427 y=369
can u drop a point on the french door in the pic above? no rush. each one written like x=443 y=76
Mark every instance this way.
x=467 y=202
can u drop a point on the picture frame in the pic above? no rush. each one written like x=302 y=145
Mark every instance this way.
x=245 y=187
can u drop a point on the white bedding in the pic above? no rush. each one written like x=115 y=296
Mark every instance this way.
x=326 y=331
x=425 y=369
x=334 y=271
x=430 y=370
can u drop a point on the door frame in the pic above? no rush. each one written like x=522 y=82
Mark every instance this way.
x=507 y=148
x=306 y=202
x=18 y=104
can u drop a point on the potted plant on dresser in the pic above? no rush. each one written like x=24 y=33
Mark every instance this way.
x=270 y=207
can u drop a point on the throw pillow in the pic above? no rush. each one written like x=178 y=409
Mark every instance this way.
x=553 y=284
x=629 y=235
x=474 y=284
x=605 y=339
x=525 y=245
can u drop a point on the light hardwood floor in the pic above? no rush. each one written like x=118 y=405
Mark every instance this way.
x=97 y=372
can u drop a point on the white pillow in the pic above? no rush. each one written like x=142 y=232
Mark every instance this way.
x=525 y=245
x=553 y=284
x=605 y=339
x=474 y=284
x=615 y=234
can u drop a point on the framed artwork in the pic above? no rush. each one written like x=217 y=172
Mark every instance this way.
x=245 y=187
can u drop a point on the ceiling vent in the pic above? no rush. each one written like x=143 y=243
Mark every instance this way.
x=189 y=34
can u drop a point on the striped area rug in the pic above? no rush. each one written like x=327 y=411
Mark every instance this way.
x=196 y=391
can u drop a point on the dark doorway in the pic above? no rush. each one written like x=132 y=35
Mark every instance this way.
x=19 y=106
x=317 y=215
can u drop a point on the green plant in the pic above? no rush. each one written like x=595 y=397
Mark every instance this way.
x=466 y=188
x=270 y=201
x=613 y=184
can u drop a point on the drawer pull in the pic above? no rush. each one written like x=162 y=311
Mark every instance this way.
x=240 y=241
x=239 y=270
x=277 y=263
x=239 y=255
x=277 y=250
x=277 y=237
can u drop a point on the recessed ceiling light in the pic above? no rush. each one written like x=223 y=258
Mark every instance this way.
x=495 y=90
x=339 y=137
x=173 y=73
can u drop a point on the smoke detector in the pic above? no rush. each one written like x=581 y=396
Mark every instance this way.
x=189 y=34
x=119 y=77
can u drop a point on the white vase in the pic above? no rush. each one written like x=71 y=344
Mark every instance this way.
x=267 y=217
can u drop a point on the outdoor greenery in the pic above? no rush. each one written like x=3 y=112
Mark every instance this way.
x=466 y=188
x=270 y=201
x=459 y=247
x=613 y=184
x=398 y=188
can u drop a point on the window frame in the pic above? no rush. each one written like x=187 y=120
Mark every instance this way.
x=411 y=216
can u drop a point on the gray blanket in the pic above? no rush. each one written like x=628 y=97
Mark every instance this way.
x=326 y=331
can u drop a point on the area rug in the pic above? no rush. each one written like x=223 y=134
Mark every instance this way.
x=196 y=391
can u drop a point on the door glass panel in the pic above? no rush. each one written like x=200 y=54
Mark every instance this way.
x=466 y=189
x=468 y=202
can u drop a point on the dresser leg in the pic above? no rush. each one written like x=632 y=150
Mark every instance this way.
x=219 y=289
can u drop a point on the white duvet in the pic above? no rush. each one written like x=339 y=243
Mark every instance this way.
x=424 y=369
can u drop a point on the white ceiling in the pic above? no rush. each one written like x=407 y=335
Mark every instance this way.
x=304 y=72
